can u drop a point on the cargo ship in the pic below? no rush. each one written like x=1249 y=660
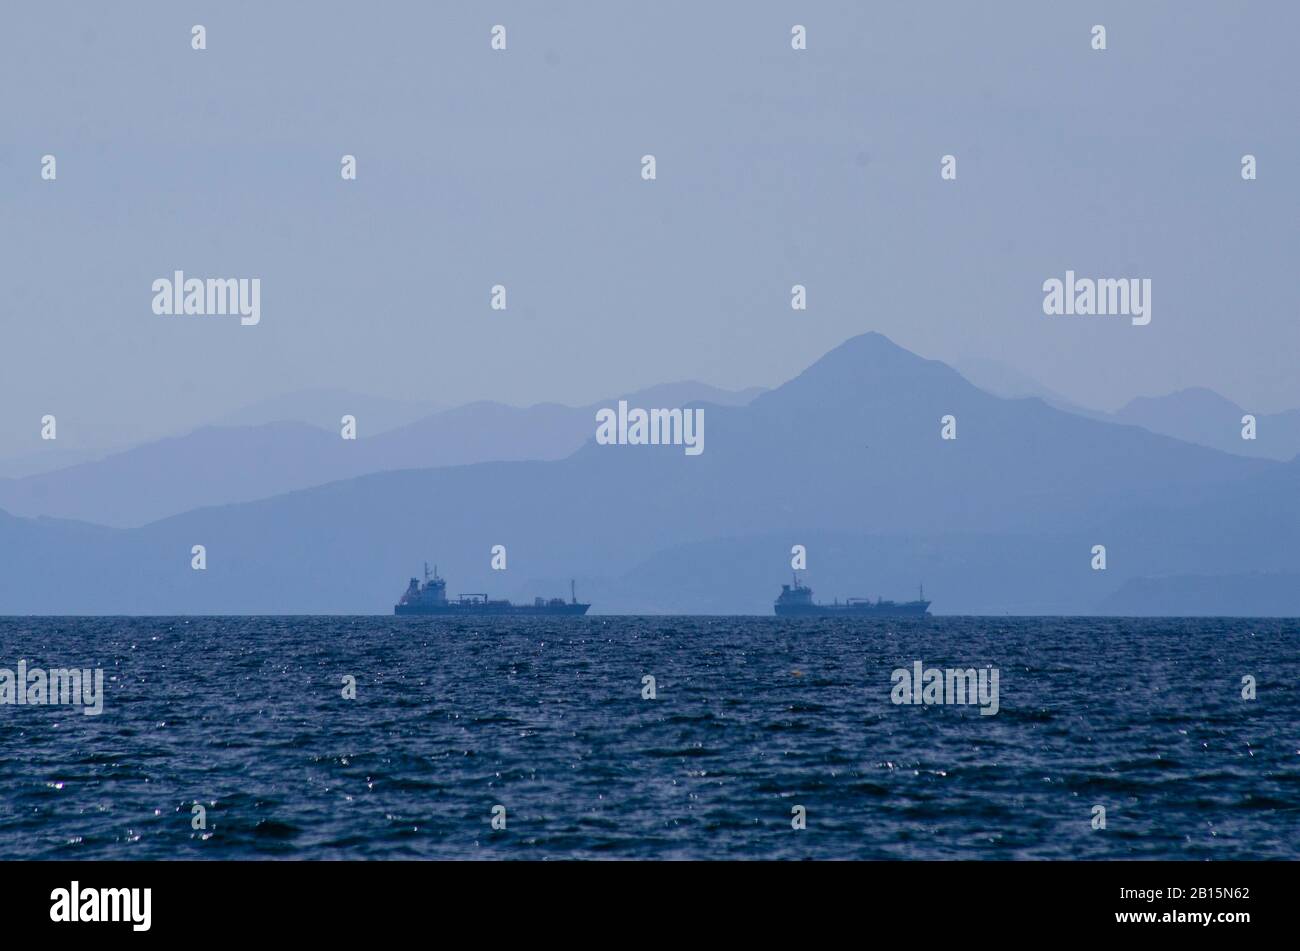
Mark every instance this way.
x=431 y=598
x=796 y=601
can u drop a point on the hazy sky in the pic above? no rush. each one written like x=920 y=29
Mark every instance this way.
x=522 y=167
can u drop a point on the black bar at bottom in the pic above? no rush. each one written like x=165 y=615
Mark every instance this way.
x=940 y=900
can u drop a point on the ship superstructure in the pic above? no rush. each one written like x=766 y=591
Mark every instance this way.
x=796 y=601
x=430 y=597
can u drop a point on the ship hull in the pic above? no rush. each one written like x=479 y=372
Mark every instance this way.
x=451 y=609
x=906 y=609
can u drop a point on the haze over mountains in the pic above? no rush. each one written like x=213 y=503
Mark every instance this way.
x=294 y=442
x=1006 y=381
x=1195 y=414
x=845 y=458
x=1204 y=417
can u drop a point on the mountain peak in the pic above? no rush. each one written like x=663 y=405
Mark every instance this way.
x=862 y=365
x=871 y=343
x=1191 y=400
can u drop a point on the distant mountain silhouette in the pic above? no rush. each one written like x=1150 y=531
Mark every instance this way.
x=1204 y=417
x=846 y=459
x=213 y=464
x=20 y=466
x=1196 y=415
x=1006 y=381
x=216 y=465
x=80 y=442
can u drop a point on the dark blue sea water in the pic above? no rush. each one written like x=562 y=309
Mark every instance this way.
x=753 y=716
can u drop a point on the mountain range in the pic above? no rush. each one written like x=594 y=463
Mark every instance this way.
x=1196 y=414
x=282 y=445
x=1201 y=416
x=846 y=459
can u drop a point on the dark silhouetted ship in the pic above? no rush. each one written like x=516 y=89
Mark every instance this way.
x=431 y=598
x=796 y=601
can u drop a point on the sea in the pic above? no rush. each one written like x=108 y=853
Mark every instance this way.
x=654 y=738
